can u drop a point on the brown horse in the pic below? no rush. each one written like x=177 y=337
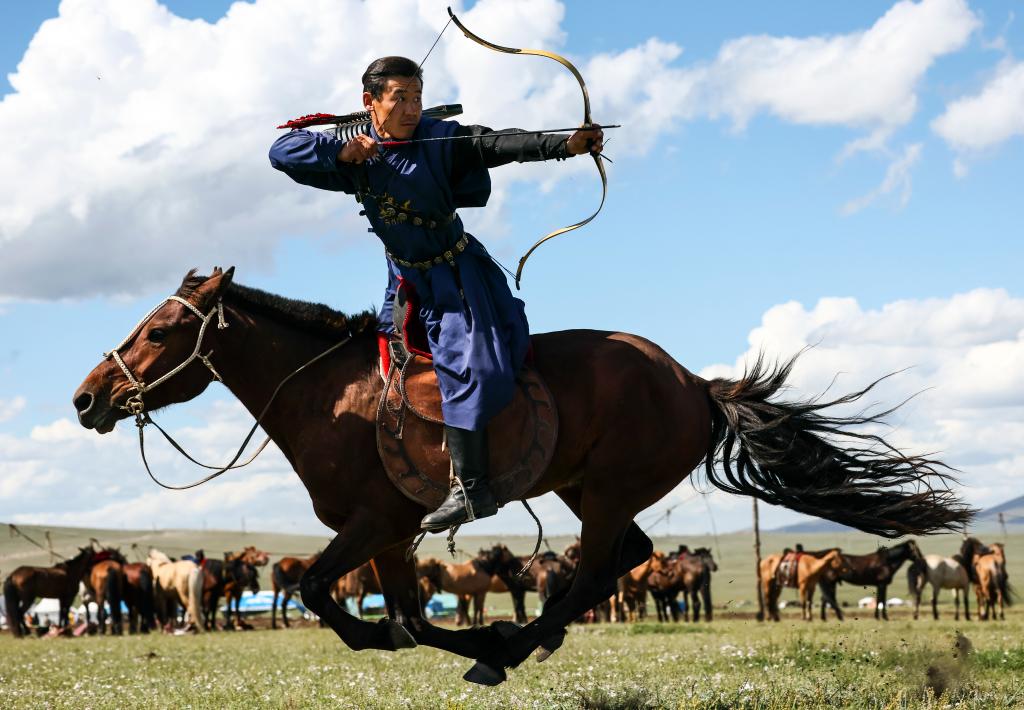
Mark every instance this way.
x=687 y=572
x=469 y=580
x=875 y=569
x=138 y=597
x=228 y=578
x=26 y=584
x=357 y=584
x=548 y=576
x=630 y=601
x=284 y=579
x=633 y=423
x=809 y=571
x=104 y=581
x=993 y=587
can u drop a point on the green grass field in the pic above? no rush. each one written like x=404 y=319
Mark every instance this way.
x=733 y=662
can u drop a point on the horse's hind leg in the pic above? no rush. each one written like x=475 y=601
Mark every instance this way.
x=605 y=526
x=935 y=602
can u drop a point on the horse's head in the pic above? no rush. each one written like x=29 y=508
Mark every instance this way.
x=169 y=348
x=837 y=561
x=915 y=552
x=704 y=554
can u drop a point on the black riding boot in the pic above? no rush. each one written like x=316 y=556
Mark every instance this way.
x=470 y=497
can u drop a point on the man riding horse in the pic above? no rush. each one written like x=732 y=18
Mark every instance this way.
x=476 y=330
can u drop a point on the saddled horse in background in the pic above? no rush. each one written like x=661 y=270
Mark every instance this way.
x=686 y=572
x=549 y=574
x=876 y=569
x=284 y=580
x=26 y=584
x=808 y=571
x=104 y=581
x=941 y=573
x=632 y=424
x=176 y=583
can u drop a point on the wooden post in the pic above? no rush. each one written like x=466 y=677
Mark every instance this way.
x=757 y=565
x=1002 y=524
x=49 y=547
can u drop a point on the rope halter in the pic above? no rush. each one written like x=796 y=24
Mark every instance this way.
x=134 y=404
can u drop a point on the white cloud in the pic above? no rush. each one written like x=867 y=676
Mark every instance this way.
x=164 y=166
x=992 y=116
x=897 y=179
x=9 y=408
x=863 y=79
x=966 y=360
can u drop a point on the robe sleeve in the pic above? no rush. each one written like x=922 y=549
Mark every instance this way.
x=493 y=152
x=310 y=158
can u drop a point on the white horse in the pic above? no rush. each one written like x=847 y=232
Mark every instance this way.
x=941 y=573
x=178 y=582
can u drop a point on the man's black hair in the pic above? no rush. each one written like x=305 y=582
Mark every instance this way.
x=376 y=76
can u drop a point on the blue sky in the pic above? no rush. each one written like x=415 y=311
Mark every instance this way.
x=723 y=204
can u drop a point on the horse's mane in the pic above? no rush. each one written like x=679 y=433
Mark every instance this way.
x=315 y=318
x=158 y=556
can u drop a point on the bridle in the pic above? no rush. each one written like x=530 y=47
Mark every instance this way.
x=135 y=406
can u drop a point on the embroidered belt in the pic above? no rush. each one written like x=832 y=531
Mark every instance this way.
x=448 y=256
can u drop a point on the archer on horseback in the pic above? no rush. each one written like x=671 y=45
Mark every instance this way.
x=411 y=174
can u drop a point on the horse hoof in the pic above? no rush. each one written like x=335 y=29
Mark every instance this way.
x=549 y=646
x=483 y=674
x=398 y=636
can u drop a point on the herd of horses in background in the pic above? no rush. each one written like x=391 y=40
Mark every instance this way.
x=984 y=566
x=187 y=592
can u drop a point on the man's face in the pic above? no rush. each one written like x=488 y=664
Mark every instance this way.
x=397 y=112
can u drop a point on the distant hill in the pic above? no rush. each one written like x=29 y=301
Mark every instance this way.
x=816 y=525
x=1012 y=510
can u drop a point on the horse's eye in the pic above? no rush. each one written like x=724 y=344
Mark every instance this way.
x=156 y=335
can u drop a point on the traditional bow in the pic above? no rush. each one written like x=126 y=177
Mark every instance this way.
x=587 y=123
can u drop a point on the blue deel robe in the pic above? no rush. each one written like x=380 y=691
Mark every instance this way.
x=478 y=338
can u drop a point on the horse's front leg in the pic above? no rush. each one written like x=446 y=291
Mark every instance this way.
x=361 y=539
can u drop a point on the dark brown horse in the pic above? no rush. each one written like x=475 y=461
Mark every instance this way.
x=285 y=576
x=228 y=578
x=138 y=597
x=687 y=572
x=104 y=581
x=872 y=570
x=549 y=575
x=633 y=423
x=26 y=584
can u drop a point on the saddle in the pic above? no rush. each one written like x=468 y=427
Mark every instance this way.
x=410 y=433
x=787 y=573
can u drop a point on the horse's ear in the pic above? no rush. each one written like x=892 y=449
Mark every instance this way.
x=214 y=287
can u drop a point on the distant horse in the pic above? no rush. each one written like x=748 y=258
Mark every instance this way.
x=285 y=576
x=104 y=581
x=177 y=583
x=357 y=584
x=630 y=600
x=470 y=579
x=26 y=584
x=138 y=596
x=633 y=423
x=875 y=569
x=229 y=578
x=809 y=570
x=941 y=573
x=549 y=575
x=688 y=573
x=993 y=588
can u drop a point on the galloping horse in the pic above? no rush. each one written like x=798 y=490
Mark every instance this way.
x=26 y=584
x=104 y=581
x=176 y=583
x=875 y=569
x=632 y=424
x=284 y=580
x=941 y=573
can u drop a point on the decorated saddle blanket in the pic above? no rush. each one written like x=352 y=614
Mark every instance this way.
x=410 y=431
x=787 y=574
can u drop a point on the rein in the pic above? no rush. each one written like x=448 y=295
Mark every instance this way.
x=135 y=406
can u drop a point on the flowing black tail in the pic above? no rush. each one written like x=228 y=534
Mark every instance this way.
x=146 y=601
x=12 y=605
x=792 y=454
x=113 y=592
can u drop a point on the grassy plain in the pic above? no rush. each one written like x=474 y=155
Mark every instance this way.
x=733 y=662
x=730 y=663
